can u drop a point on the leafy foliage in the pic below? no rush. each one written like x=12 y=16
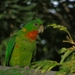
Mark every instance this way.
x=45 y=65
x=67 y=59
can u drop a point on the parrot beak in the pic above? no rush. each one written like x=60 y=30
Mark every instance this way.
x=41 y=29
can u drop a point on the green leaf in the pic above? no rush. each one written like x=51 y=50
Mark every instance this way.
x=62 y=50
x=67 y=68
x=2 y=16
x=60 y=27
x=66 y=54
x=45 y=65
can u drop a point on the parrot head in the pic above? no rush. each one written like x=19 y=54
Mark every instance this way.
x=32 y=29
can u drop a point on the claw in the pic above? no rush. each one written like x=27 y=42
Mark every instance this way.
x=26 y=67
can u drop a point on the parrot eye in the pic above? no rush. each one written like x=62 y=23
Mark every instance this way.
x=36 y=24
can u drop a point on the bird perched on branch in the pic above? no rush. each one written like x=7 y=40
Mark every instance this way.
x=21 y=47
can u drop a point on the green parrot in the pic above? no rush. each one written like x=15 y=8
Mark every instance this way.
x=21 y=47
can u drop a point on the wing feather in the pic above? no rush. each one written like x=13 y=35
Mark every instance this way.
x=9 y=49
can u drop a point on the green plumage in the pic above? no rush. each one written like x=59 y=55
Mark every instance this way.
x=21 y=47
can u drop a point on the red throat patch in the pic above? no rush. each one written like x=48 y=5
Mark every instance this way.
x=32 y=35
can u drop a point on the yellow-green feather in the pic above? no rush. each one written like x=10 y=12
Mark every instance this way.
x=23 y=53
x=9 y=49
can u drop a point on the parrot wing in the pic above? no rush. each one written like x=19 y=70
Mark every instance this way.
x=9 y=49
x=33 y=55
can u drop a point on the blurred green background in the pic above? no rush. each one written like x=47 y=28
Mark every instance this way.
x=14 y=14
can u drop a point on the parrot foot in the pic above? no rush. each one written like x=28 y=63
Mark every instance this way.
x=16 y=66
x=26 y=67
